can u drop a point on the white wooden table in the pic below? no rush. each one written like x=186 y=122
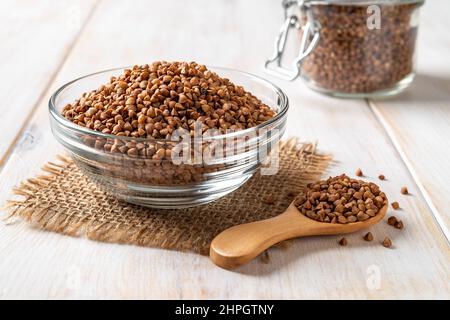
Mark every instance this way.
x=47 y=43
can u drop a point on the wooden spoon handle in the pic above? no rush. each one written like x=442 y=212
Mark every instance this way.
x=239 y=244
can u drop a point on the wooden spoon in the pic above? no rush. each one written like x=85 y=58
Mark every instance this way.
x=239 y=244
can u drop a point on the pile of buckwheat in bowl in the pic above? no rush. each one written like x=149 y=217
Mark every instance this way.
x=168 y=134
x=153 y=100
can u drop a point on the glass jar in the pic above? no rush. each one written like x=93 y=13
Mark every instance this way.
x=353 y=48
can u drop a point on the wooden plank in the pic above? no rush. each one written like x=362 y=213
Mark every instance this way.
x=44 y=265
x=36 y=37
x=418 y=121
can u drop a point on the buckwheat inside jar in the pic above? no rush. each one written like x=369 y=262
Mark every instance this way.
x=355 y=48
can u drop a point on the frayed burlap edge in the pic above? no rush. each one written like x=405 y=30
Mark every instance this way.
x=30 y=210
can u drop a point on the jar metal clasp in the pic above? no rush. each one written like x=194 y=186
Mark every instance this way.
x=309 y=38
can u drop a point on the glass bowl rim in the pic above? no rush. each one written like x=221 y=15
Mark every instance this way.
x=67 y=124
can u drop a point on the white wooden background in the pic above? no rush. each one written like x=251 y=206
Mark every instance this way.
x=47 y=43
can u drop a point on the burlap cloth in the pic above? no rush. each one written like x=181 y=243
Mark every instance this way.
x=65 y=201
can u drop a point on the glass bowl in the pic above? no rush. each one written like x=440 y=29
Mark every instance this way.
x=181 y=172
